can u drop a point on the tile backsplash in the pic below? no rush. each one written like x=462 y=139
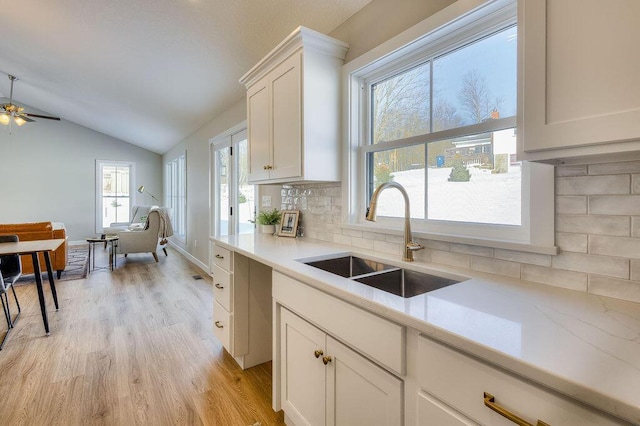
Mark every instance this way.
x=597 y=231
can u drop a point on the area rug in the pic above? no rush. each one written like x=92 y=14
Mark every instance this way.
x=77 y=263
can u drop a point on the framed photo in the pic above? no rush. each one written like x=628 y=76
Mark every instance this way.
x=289 y=223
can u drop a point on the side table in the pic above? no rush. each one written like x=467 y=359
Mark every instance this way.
x=113 y=239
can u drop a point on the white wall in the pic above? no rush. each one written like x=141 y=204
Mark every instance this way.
x=47 y=173
x=197 y=149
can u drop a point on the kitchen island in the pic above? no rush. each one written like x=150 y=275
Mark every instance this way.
x=573 y=344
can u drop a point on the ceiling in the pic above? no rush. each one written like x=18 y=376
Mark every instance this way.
x=146 y=72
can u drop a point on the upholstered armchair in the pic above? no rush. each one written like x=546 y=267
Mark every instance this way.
x=138 y=218
x=140 y=241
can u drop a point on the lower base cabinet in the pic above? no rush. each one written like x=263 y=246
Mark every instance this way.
x=324 y=382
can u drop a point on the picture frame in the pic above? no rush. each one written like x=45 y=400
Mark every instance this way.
x=289 y=223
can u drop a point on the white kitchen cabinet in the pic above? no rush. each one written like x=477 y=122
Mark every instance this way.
x=324 y=382
x=293 y=107
x=454 y=389
x=579 y=91
x=242 y=309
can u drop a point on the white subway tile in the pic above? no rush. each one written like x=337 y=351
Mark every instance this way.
x=362 y=243
x=342 y=239
x=611 y=287
x=592 y=264
x=352 y=232
x=452 y=259
x=495 y=266
x=621 y=205
x=571 y=170
x=373 y=235
x=389 y=248
x=436 y=245
x=572 y=242
x=626 y=247
x=587 y=185
x=594 y=224
x=571 y=204
x=635 y=270
x=614 y=168
x=469 y=249
x=523 y=257
x=399 y=239
x=555 y=277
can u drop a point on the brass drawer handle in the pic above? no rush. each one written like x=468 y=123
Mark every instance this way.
x=219 y=257
x=217 y=323
x=218 y=286
x=490 y=401
x=318 y=352
x=326 y=359
x=267 y=167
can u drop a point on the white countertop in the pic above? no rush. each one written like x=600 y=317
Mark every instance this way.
x=582 y=345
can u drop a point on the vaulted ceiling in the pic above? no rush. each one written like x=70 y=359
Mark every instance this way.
x=146 y=72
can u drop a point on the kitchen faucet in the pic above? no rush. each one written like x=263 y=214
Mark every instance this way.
x=409 y=245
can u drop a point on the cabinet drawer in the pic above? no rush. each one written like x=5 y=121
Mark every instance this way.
x=432 y=412
x=377 y=338
x=223 y=287
x=223 y=326
x=460 y=381
x=222 y=257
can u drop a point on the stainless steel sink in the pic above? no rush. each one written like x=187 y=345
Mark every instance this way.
x=405 y=282
x=349 y=266
x=392 y=279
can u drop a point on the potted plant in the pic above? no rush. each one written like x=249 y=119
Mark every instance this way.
x=267 y=221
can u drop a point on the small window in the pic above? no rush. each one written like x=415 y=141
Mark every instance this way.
x=113 y=192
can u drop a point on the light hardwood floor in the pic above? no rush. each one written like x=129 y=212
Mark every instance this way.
x=132 y=346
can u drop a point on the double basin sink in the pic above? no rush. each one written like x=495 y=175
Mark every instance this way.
x=392 y=279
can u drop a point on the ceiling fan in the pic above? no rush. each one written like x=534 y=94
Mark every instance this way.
x=11 y=110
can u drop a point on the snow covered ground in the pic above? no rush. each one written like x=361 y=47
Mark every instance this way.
x=486 y=198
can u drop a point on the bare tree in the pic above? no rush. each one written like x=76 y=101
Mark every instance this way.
x=475 y=97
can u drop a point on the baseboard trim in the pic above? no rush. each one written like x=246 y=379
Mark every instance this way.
x=190 y=257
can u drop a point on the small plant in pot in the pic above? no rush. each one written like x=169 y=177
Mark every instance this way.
x=267 y=221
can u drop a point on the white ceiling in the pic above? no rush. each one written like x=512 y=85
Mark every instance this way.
x=146 y=72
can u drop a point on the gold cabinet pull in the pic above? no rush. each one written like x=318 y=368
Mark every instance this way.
x=268 y=167
x=318 y=352
x=326 y=359
x=219 y=257
x=217 y=323
x=218 y=286
x=490 y=401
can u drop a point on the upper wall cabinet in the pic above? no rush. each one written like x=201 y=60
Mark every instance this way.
x=293 y=110
x=579 y=90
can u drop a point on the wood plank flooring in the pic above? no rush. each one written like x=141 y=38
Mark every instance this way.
x=132 y=346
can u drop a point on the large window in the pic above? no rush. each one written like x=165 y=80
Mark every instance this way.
x=438 y=116
x=176 y=194
x=114 y=183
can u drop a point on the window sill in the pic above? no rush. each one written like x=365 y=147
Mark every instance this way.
x=506 y=245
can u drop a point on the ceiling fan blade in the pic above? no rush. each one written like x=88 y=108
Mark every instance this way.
x=41 y=116
x=25 y=118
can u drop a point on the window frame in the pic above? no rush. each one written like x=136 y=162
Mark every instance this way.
x=176 y=194
x=100 y=164
x=445 y=31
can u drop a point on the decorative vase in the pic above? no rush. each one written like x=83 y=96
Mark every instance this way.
x=267 y=229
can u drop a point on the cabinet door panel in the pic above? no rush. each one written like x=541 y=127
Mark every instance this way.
x=358 y=391
x=222 y=287
x=259 y=129
x=302 y=374
x=287 y=118
x=571 y=95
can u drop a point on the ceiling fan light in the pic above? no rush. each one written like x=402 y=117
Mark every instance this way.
x=4 y=119
x=19 y=121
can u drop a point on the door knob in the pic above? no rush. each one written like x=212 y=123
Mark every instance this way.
x=326 y=359
x=318 y=353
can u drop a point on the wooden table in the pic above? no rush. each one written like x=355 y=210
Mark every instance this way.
x=33 y=248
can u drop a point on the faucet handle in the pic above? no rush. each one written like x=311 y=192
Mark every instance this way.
x=413 y=246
